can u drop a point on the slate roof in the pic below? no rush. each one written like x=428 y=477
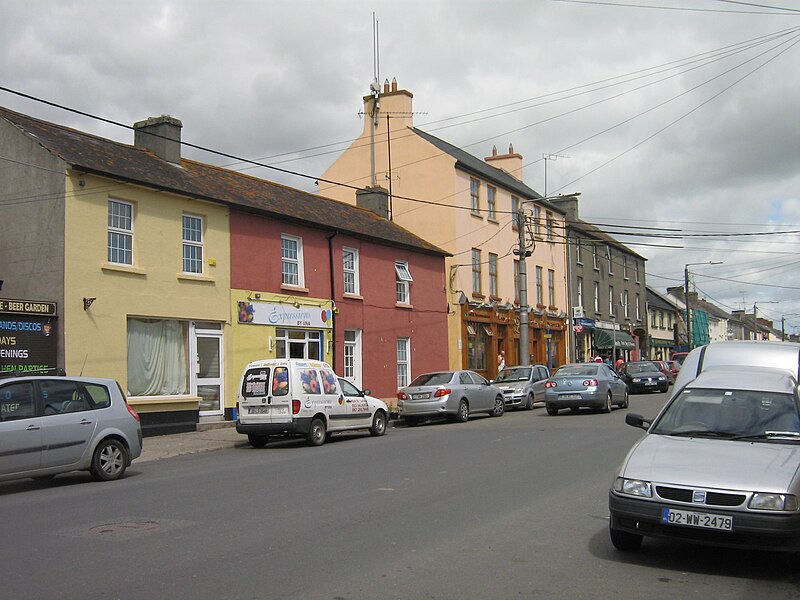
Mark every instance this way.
x=659 y=301
x=96 y=155
x=595 y=232
x=476 y=166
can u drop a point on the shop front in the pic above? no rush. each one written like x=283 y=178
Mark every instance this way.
x=28 y=337
x=612 y=343
x=584 y=339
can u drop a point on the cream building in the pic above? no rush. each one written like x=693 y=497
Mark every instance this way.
x=468 y=207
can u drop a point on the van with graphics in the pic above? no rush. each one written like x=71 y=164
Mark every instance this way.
x=299 y=397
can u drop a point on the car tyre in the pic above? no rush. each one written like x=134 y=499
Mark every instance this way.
x=499 y=407
x=529 y=403
x=624 y=541
x=462 y=416
x=609 y=403
x=625 y=399
x=317 y=434
x=109 y=461
x=378 y=424
x=257 y=440
x=551 y=410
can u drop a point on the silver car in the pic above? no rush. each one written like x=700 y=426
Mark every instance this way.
x=720 y=464
x=51 y=425
x=522 y=386
x=451 y=394
x=585 y=385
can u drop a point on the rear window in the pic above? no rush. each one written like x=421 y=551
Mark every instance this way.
x=576 y=371
x=433 y=379
x=255 y=382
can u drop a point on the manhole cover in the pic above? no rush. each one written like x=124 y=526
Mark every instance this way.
x=128 y=527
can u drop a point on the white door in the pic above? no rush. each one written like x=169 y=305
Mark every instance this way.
x=352 y=356
x=208 y=373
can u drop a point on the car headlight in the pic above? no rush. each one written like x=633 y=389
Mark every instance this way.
x=765 y=501
x=633 y=487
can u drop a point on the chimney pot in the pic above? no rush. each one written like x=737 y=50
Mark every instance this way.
x=161 y=136
x=394 y=84
x=386 y=86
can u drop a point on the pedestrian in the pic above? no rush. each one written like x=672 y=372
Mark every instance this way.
x=501 y=361
x=619 y=363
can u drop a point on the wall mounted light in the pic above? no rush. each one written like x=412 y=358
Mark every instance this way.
x=271 y=344
x=87 y=302
x=296 y=304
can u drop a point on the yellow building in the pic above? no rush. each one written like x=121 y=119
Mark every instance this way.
x=468 y=207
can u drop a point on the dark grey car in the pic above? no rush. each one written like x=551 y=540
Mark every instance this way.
x=522 y=386
x=451 y=394
x=585 y=385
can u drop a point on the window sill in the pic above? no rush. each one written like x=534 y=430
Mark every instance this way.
x=195 y=277
x=493 y=220
x=353 y=296
x=294 y=288
x=477 y=215
x=113 y=267
x=478 y=296
x=400 y=305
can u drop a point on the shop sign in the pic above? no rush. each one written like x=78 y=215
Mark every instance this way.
x=27 y=307
x=283 y=315
x=584 y=323
x=27 y=336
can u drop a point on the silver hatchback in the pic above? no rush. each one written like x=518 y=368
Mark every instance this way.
x=51 y=425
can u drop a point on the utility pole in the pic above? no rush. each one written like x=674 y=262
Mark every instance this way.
x=523 y=253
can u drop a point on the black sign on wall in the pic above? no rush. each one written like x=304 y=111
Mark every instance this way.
x=28 y=340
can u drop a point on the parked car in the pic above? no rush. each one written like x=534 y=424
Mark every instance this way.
x=675 y=367
x=298 y=397
x=452 y=394
x=585 y=385
x=678 y=357
x=52 y=425
x=643 y=376
x=522 y=385
x=720 y=464
x=666 y=370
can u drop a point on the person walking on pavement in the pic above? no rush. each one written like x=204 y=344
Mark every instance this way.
x=501 y=361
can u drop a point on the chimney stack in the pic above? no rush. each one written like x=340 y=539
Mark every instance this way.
x=161 y=136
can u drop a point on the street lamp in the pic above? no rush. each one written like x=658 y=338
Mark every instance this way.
x=686 y=298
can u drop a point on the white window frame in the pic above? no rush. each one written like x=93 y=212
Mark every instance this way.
x=352 y=356
x=493 y=289
x=193 y=264
x=475 y=196
x=403 y=361
x=626 y=303
x=351 y=270
x=514 y=212
x=597 y=297
x=611 y=307
x=609 y=261
x=551 y=287
x=624 y=267
x=638 y=308
x=537 y=218
x=403 y=281
x=579 y=291
x=548 y=223
x=539 y=284
x=117 y=228
x=491 y=202
x=595 y=262
x=477 y=274
x=578 y=252
x=296 y=261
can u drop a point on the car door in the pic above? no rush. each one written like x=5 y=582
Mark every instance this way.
x=540 y=378
x=20 y=428
x=616 y=385
x=357 y=413
x=68 y=421
x=483 y=391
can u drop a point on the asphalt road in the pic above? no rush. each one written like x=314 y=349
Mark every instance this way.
x=511 y=507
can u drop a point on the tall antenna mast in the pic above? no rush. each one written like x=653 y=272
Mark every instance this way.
x=546 y=157
x=375 y=90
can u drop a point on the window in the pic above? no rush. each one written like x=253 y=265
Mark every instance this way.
x=610 y=262
x=596 y=297
x=653 y=319
x=638 y=309
x=578 y=252
x=636 y=270
x=17 y=402
x=350 y=270
x=63 y=396
x=516 y=280
x=292 y=260
x=595 y=263
x=579 y=291
x=551 y=287
x=539 y=292
x=403 y=281
x=515 y=212
x=537 y=221
x=310 y=381
x=352 y=355
x=611 y=300
x=549 y=225
x=475 y=195
x=298 y=343
x=403 y=361
x=661 y=319
x=492 y=274
x=192 y=244
x=158 y=357
x=476 y=347
x=626 y=304
x=491 y=199
x=624 y=267
x=120 y=232
x=476 y=271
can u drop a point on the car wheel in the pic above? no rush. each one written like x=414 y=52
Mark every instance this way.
x=624 y=541
x=625 y=400
x=462 y=416
x=551 y=410
x=499 y=407
x=529 y=403
x=378 y=424
x=317 y=434
x=109 y=461
x=609 y=403
x=257 y=440
x=411 y=421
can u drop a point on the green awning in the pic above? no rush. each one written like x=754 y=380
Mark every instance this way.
x=606 y=338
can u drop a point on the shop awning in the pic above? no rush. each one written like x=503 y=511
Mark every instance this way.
x=606 y=338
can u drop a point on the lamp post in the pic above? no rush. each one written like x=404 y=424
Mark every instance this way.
x=686 y=299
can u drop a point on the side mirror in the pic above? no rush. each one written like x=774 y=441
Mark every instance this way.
x=366 y=392
x=639 y=421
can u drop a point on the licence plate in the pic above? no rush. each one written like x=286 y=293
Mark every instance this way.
x=649 y=382
x=570 y=396
x=690 y=518
x=420 y=396
x=267 y=410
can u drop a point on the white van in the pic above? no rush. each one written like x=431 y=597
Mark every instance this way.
x=298 y=397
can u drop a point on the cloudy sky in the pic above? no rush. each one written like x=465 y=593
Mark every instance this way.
x=678 y=121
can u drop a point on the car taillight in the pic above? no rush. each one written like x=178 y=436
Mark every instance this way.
x=590 y=382
x=402 y=396
x=442 y=392
x=134 y=414
x=295 y=406
x=550 y=384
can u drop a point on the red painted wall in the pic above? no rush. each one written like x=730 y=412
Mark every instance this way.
x=256 y=265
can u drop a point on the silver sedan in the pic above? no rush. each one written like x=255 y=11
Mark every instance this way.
x=585 y=385
x=451 y=394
